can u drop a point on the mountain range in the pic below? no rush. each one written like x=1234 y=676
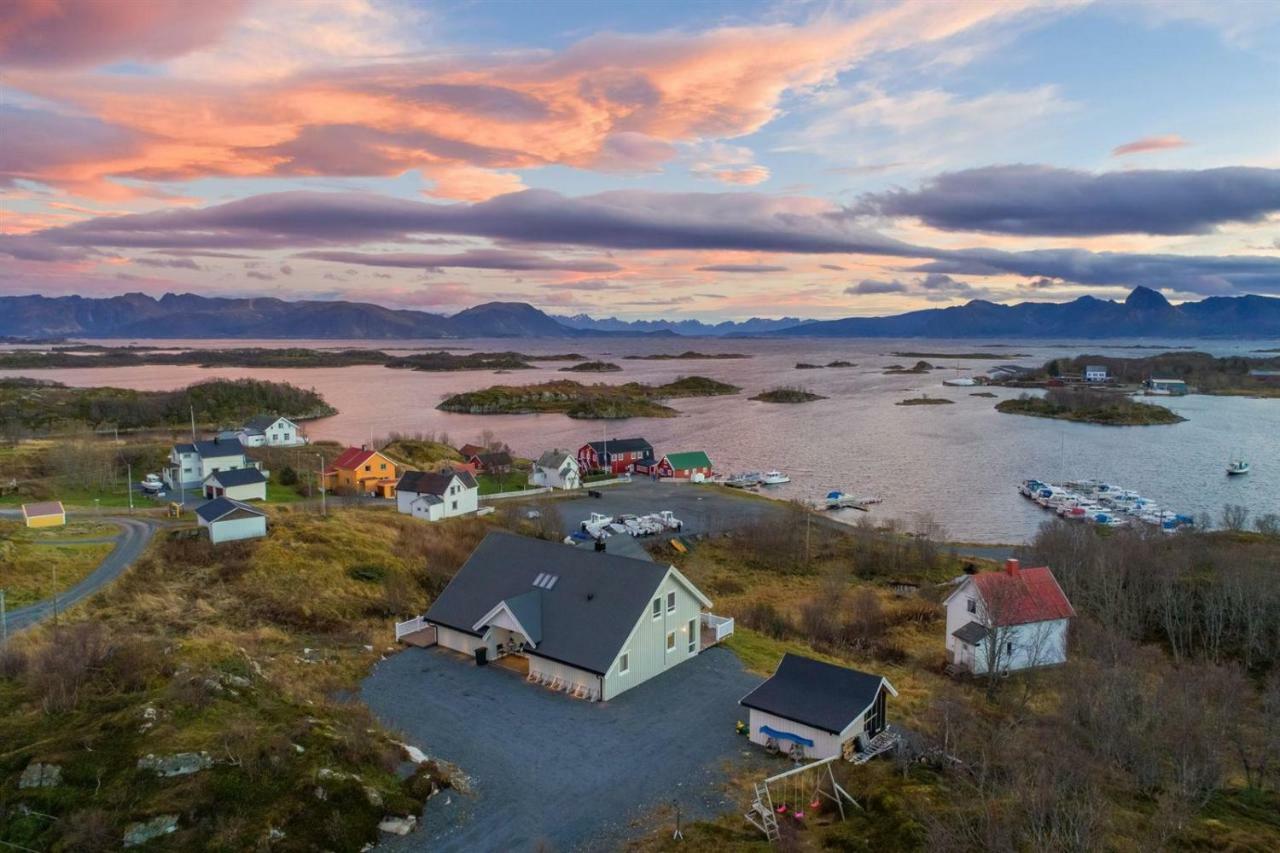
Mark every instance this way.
x=1145 y=313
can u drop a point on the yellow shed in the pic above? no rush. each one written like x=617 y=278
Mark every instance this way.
x=44 y=514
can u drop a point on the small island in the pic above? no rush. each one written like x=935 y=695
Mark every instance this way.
x=804 y=365
x=591 y=367
x=588 y=402
x=687 y=355
x=40 y=407
x=1107 y=409
x=925 y=401
x=974 y=355
x=787 y=395
x=982 y=394
x=899 y=370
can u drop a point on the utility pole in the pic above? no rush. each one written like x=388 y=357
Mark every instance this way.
x=129 y=484
x=193 y=423
x=324 y=509
x=4 y=621
x=53 y=568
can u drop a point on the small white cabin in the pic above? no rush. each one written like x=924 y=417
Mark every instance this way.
x=434 y=495
x=814 y=710
x=556 y=469
x=271 y=431
x=228 y=520
x=1096 y=373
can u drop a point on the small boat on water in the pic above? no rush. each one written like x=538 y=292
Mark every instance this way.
x=152 y=484
x=744 y=481
x=774 y=478
x=960 y=382
x=839 y=500
x=1236 y=467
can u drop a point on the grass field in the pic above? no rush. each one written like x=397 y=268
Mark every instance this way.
x=30 y=572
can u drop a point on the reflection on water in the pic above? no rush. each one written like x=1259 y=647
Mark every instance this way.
x=958 y=464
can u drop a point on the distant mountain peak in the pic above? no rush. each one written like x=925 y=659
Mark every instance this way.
x=1146 y=299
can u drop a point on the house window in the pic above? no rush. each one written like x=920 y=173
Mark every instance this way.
x=657 y=608
x=368 y=467
x=973 y=606
x=455 y=504
x=671 y=602
x=624 y=663
x=382 y=466
x=671 y=641
x=1008 y=648
x=693 y=635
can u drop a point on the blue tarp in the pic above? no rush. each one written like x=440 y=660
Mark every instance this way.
x=777 y=735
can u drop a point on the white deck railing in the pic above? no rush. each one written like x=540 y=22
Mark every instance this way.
x=721 y=625
x=415 y=624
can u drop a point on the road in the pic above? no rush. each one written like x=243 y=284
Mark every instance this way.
x=132 y=540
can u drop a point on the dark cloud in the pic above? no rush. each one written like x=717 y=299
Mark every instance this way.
x=261 y=276
x=1035 y=200
x=36 y=142
x=870 y=285
x=621 y=220
x=589 y=284
x=482 y=259
x=172 y=263
x=744 y=268
x=831 y=267
x=493 y=101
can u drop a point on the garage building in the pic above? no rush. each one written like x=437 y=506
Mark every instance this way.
x=229 y=520
x=241 y=484
x=819 y=708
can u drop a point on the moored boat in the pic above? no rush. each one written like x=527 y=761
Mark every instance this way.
x=774 y=478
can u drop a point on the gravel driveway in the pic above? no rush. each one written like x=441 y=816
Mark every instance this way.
x=558 y=772
x=702 y=509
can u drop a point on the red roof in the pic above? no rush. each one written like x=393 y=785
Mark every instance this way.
x=351 y=458
x=1029 y=595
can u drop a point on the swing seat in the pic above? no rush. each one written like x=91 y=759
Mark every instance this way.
x=815 y=804
x=798 y=815
x=781 y=810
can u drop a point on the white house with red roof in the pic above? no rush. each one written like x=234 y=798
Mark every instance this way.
x=1003 y=621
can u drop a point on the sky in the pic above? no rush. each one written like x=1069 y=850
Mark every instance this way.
x=709 y=160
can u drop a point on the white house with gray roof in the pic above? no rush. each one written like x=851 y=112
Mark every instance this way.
x=591 y=624
x=434 y=495
x=556 y=469
x=228 y=520
x=191 y=464
x=270 y=431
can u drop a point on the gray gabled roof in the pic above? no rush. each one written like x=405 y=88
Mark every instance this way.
x=222 y=507
x=822 y=695
x=213 y=449
x=621 y=445
x=261 y=422
x=587 y=611
x=553 y=459
x=970 y=632
x=527 y=608
x=237 y=477
x=432 y=482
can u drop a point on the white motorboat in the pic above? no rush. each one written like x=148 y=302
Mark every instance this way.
x=774 y=478
x=1236 y=467
x=152 y=484
x=839 y=500
x=960 y=382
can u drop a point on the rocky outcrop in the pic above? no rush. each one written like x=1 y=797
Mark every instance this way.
x=178 y=764
x=39 y=775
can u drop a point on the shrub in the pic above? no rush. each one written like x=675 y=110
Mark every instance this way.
x=58 y=670
x=762 y=616
x=288 y=476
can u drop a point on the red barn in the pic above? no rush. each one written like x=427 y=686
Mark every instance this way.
x=617 y=455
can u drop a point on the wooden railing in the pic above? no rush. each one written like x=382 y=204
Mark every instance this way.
x=413 y=625
x=722 y=626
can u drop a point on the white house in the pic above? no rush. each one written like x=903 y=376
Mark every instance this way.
x=241 y=484
x=556 y=469
x=1007 y=620
x=191 y=464
x=271 y=431
x=591 y=624
x=433 y=495
x=1095 y=373
x=228 y=520
x=818 y=709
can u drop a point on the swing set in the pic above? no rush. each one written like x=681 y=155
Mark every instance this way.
x=799 y=793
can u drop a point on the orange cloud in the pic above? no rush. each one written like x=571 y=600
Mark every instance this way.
x=609 y=102
x=1150 y=143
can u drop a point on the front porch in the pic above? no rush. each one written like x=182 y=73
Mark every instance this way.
x=714 y=630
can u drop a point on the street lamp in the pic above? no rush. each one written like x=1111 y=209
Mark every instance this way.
x=324 y=509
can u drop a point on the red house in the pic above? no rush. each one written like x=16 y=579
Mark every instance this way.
x=616 y=455
x=684 y=466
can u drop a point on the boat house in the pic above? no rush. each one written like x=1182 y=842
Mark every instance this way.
x=44 y=514
x=591 y=624
x=693 y=465
x=615 y=455
x=816 y=710
x=434 y=495
x=229 y=520
x=1166 y=387
x=241 y=484
x=1004 y=621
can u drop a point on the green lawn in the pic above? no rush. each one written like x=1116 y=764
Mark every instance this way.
x=28 y=571
x=514 y=481
x=277 y=493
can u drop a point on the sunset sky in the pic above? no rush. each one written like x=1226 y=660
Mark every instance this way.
x=716 y=160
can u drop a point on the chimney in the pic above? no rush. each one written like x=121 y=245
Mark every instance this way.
x=1011 y=567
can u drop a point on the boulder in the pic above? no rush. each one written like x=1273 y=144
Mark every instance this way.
x=141 y=833
x=178 y=764
x=393 y=825
x=39 y=775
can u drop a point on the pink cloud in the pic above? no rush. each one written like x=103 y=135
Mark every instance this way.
x=62 y=33
x=1150 y=143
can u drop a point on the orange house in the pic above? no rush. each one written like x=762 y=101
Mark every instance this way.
x=363 y=471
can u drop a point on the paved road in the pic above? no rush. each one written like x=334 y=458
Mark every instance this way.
x=130 y=543
x=559 y=773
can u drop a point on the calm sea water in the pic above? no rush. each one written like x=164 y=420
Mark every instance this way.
x=957 y=465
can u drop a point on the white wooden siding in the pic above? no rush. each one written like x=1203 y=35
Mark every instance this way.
x=457 y=640
x=646 y=647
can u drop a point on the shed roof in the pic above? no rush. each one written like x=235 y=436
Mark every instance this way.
x=496 y=458
x=822 y=695
x=237 y=477
x=261 y=422
x=689 y=459
x=589 y=601
x=352 y=458
x=970 y=632
x=34 y=510
x=219 y=508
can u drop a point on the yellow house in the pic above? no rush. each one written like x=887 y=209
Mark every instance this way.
x=361 y=470
x=44 y=514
